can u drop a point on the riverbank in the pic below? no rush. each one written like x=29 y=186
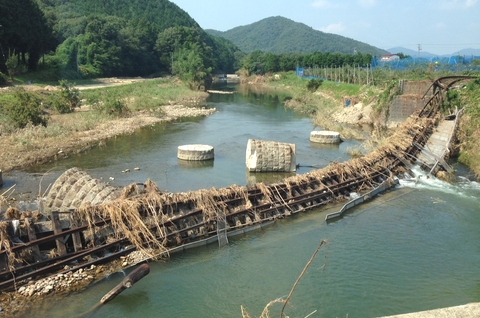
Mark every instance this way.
x=33 y=146
x=370 y=105
x=73 y=133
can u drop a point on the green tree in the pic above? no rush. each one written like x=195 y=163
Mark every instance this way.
x=25 y=31
x=255 y=63
x=403 y=56
x=272 y=62
x=14 y=66
x=189 y=66
x=173 y=40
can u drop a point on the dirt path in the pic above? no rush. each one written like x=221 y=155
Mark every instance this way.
x=112 y=81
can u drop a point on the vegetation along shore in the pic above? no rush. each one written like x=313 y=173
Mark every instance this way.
x=89 y=118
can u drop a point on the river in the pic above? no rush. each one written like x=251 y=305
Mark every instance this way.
x=414 y=248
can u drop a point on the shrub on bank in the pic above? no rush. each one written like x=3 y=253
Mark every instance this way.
x=3 y=79
x=314 y=84
x=66 y=99
x=109 y=104
x=24 y=108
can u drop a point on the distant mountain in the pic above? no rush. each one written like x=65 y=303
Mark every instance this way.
x=282 y=35
x=474 y=52
x=413 y=53
x=410 y=52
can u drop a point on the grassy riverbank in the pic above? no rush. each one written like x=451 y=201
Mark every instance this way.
x=330 y=98
x=143 y=103
x=326 y=101
x=469 y=134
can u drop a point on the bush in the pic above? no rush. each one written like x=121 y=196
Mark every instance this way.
x=107 y=103
x=65 y=100
x=3 y=79
x=314 y=84
x=25 y=108
x=452 y=100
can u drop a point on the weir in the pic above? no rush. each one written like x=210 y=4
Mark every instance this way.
x=143 y=218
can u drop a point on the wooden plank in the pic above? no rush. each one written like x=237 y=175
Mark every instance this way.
x=57 y=229
x=33 y=237
x=54 y=236
x=77 y=240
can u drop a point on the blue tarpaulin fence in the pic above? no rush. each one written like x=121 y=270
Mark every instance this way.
x=451 y=63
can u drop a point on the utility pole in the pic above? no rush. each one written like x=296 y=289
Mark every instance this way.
x=419 y=49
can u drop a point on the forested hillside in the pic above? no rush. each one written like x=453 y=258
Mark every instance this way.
x=92 y=38
x=68 y=16
x=23 y=31
x=281 y=35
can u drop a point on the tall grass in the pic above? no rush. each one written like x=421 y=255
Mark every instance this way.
x=64 y=131
x=469 y=132
x=329 y=98
x=147 y=95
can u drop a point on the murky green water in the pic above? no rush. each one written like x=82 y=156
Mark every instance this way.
x=415 y=248
x=153 y=149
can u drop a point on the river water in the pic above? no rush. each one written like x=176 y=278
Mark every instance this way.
x=414 y=248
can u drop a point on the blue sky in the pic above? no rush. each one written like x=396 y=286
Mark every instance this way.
x=440 y=26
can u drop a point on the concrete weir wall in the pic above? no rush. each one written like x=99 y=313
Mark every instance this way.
x=409 y=101
x=468 y=311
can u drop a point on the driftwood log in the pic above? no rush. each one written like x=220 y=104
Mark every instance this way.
x=127 y=282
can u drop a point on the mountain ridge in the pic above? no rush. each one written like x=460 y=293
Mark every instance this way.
x=413 y=53
x=281 y=35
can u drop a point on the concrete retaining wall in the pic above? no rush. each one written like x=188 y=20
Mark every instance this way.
x=402 y=106
x=415 y=87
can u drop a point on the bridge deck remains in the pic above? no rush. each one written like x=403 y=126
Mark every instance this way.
x=437 y=145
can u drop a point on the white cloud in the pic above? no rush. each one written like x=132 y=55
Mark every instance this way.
x=321 y=4
x=440 y=26
x=371 y=3
x=470 y=3
x=336 y=28
x=457 y=4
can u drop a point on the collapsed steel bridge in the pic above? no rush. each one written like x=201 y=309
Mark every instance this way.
x=182 y=222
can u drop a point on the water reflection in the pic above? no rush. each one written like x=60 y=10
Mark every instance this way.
x=266 y=177
x=325 y=146
x=195 y=164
